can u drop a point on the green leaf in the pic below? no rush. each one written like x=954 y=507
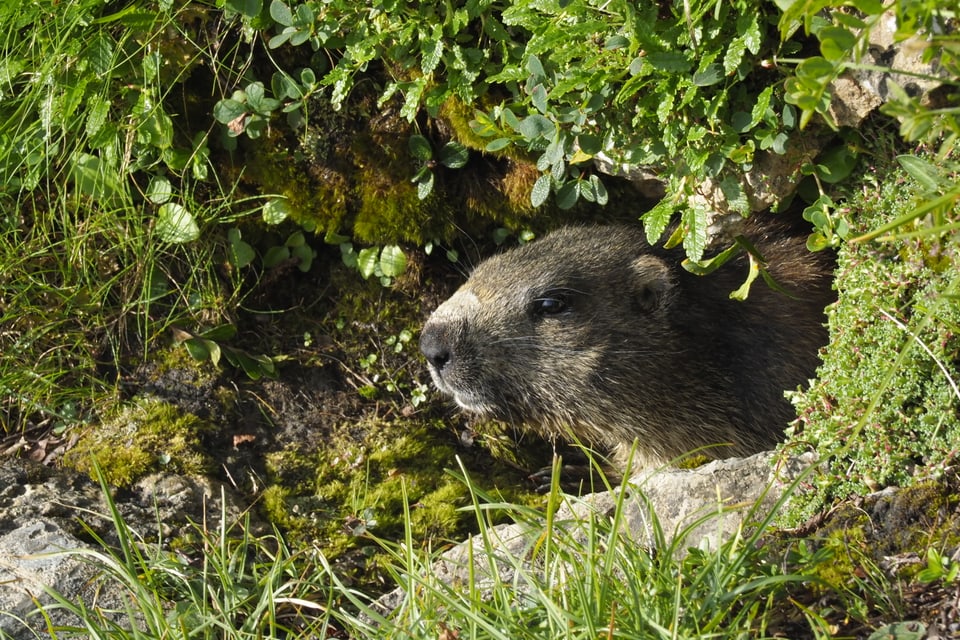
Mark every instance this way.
x=281 y=13
x=276 y=210
x=926 y=174
x=159 y=190
x=241 y=253
x=709 y=76
x=744 y=290
x=537 y=74
x=616 y=42
x=453 y=155
x=367 y=261
x=100 y=53
x=393 y=261
x=431 y=49
x=568 y=194
x=94 y=177
x=656 y=220
x=425 y=185
x=420 y=148
x=304 y=254
x=836 y=43
x=176 y=224
x=541 y=190
x=669 y=61
x=197 y=348
x=694 y=221
x=836 y=164
x=246 y=8
x=536 y=126
x=228 y=110
x=276 y=255
x=98 y=109
x=734 y=55
x=539 y=98
x=226 y=331
x=497 y=145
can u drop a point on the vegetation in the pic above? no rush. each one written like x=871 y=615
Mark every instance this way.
x=178 y=177
x=884 y=408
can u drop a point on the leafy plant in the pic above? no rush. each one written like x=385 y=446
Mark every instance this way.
x=452 y=155
x=564 y=83
x=884 y=407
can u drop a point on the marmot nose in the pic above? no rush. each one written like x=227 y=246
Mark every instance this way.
x=434 y=346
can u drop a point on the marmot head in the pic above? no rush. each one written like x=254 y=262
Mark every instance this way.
x=551 y=333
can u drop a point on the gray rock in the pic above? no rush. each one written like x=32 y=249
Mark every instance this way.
x=729 y=491
x=44 y=547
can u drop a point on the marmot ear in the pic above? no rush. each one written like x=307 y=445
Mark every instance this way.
x=653 y=282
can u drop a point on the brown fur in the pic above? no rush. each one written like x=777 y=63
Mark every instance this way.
x=592 y=331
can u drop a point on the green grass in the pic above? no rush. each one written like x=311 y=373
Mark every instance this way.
x=578 y=578
x=89 y=278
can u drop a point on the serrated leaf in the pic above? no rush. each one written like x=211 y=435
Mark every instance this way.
x=431 y=49
x=694 y=222
x=655 y=220
x=734 y=55
x=98 y=108
x=100 y=53
x=176 y=224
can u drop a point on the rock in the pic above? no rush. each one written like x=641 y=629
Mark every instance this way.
x=729 y=488
x=858 y=92
x=33 y=559
x=42 y=544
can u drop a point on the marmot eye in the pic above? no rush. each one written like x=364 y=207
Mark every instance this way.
x=551 y=303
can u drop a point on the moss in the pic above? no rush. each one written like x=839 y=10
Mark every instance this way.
x=317 y=195
x=143 y=438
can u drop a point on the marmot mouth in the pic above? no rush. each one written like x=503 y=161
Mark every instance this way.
x=471 y=402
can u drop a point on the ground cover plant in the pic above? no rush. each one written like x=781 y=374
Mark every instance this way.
x=176 y=177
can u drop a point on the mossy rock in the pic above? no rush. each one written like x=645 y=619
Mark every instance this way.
x=141 y=438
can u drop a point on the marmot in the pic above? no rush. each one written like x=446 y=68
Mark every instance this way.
x=590 y=331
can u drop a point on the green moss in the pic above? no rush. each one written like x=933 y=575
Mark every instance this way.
x=143 y=438
x=317 y=195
